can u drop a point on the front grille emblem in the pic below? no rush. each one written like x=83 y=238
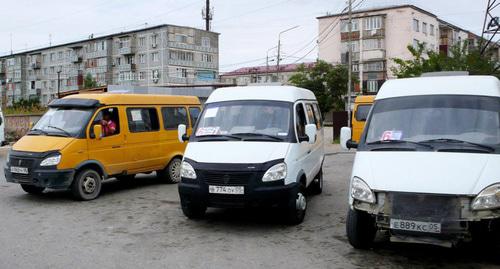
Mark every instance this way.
x=19 y=162
x=226 y=179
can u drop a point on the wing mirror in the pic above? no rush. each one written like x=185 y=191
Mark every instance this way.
x=311 y=133
x=97 y=131
x=345 y=139
x=181 y=133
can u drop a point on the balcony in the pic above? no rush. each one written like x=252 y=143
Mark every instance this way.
x=373 y=33
x=344 y=58
x=35 y=65
x=2 y=68
x=127 y=50
x=126 y=67
x=98 y=54
x=179 y=45
x=35 y=77
x=75 y=58
x=369 y=55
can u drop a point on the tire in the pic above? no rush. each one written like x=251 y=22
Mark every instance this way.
x=171 y=173
x=361 y=229
x=194 y=211
x=297 y=206
x=32 y=189
x=86 y=185
x=317 y=184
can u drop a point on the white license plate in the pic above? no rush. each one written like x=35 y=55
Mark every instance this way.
x=19 y=170
x=416 y=226
x=226 y=189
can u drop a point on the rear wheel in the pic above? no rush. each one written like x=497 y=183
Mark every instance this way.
x=86 y=185
x=32 y=189
x=317 y=184
x=361 y=229
x=297 y=206
x=171 y=173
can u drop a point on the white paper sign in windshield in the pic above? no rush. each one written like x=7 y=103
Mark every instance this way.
x=211 y=112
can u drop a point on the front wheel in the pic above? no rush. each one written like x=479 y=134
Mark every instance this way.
x=86 y=185
x=297 y=206
x=171 y=173
x=194 y=211
x=32 y=189
x=361 y=229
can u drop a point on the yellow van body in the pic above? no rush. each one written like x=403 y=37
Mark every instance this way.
x=362 y=105
x=128 y=151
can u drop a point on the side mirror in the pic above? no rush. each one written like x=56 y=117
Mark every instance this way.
x=311 y=133
x=345 y=139
x=97 y=131
x=181 y=133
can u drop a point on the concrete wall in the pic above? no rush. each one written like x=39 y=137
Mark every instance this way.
x=18 y=125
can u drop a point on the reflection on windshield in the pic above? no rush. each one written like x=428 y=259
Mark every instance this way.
x=474 y=119
x=63 y=121
x=266 y=118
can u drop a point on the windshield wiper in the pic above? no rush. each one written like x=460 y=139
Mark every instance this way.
x=208 y=137
x=452 y=140
x=382 y=142
x=60 y=129
x=39 y=131
x=259 y=134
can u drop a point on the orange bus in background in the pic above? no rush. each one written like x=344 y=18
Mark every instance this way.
x=362 y=106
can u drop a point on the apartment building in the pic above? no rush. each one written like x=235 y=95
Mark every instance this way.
x=380 y=34
x=261 y=74
x=162 y=55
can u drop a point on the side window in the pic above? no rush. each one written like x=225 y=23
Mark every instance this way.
x=109 y=120
x=300 y=121
x=194 y=114
x=317 y=116
x=142 y=119
x=310 y=114
x=173 y=116
x=362 y=112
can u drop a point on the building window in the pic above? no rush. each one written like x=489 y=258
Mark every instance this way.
x=431 y=29
x=154 y=40
x=370 y=44
x=180 y=38
x=424 y=27
x=415 y=43
x=52 y=57
x=344 y=24
x=155 y=74
x=155 y=57
x=181 y=55
x=181 y=72
x=372 y=85
x=142 y=58
x=142 y=75
x=373 y=23
x=354 y=45
x=205 y=42
x=373 y=66
x=416 y=25
x=142 y=41
x=208 y=58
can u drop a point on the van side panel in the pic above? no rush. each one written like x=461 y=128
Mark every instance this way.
x=74 y=153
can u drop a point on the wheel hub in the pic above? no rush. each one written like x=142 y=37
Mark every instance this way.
x=300 y=202
x=89 y=184
x=175 y=171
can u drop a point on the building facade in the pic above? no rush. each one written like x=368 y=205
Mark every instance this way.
x=162 y=55
x=261 y=74
x=382 y=34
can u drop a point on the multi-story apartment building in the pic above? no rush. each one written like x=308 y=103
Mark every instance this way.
x=162 y=55
x=380 y=34
x=261 y=74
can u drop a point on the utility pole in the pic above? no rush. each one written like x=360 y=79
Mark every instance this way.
x=11 y=52
x=279 y=51
x=207 y=14
x=349 y=72
x=58 y=82
x=267 y=63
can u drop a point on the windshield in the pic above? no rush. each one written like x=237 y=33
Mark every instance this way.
x=436 y=118
x=62 y=122
x=246 y=120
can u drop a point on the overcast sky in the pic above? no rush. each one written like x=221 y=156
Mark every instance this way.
x=248 y=28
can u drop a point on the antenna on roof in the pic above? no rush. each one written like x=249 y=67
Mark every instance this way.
x=50 y=40
x=11 y=43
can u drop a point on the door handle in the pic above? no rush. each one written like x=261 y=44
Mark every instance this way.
x=115 y=146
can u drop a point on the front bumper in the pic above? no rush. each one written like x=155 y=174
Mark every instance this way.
x=54 y=179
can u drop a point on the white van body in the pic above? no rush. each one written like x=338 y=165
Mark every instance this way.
x=2 y=129
x=422 y=178
x=237 y=148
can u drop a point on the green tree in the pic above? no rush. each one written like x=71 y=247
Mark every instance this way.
x=89 y=82
x=328 y=82
x=462 y=58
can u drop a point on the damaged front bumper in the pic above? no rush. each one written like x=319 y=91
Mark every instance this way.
x=458 y=221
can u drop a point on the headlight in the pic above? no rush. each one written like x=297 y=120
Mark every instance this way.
x=489 y=198
x=187 y=171
x=7 y=158
x=361 y=191
x=276 y=172
x=51 y=161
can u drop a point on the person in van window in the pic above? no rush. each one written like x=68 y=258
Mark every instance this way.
x=108 y=126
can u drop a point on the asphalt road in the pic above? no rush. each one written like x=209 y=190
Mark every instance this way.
x=142 y=226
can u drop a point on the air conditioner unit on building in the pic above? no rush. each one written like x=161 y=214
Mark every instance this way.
x=154 y=45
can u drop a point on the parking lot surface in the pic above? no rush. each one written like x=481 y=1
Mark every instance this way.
x=140 y=225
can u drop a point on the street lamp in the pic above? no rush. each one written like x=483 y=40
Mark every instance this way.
x=267 y=63
x=59 y=70
x=279 y=48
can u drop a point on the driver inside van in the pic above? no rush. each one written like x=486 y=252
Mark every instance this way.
x=108 y=126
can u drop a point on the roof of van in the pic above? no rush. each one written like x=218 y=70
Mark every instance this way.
x=364 y=99
x=446 y=85
x=276 y=93
x=135 y=99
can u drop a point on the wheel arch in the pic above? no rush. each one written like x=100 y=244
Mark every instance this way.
x=94 y=164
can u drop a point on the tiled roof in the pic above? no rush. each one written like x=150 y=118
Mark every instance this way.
x=264 y=69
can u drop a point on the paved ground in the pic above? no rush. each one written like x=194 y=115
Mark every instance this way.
x=141 y=226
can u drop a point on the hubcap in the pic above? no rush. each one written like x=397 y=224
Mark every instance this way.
x=175 y=171
x=300 y=202
x=89 y=184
